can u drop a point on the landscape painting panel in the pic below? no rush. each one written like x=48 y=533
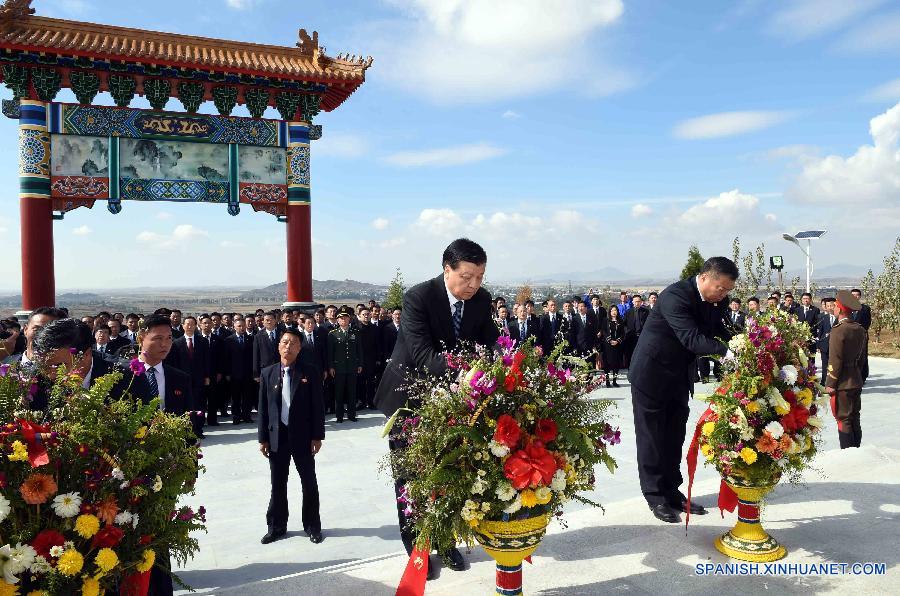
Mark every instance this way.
x=74 y=155
x=263 y=165
x=173 y=160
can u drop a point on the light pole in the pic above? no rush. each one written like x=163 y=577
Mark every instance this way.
x=809 y=236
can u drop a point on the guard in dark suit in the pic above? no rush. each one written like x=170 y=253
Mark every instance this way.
x=863 y=316
x=584 y=333
x=191 y=355
x=685 y=324
x=843 y=378
x=239 y=372
x=345 y=359
x=437 y=315
x=389 y=332
x=371 y=360
x=809 y=314
x=735 y=320
x=551 y=329
x=315 y=346
x=635 y=319
x=291 y=426
x=823 y=333
x=265 y=345
x=523 y=329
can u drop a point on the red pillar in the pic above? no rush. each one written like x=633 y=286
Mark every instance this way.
x=38 y=283
x=299 y=254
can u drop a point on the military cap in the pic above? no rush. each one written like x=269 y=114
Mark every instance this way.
x=345 y=311
x=848 y=300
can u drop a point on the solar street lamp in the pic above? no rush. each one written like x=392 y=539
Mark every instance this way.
x=809 y=236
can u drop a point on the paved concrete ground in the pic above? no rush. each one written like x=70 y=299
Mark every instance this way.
x=849 y=511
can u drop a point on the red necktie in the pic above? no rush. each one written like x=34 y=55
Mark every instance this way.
x=190 y=343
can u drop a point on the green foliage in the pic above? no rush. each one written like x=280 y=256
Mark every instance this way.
x=694 y=263
x=394 y=297
x=882 y=293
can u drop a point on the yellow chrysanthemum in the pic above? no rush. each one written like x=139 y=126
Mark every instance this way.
x=19 y=452
x=805 y=396
x=147 y=563
x=748 y=455
x=529 y=499
x=782 y=410
x=141 y=433
x=87 y=525
x=473 y=523
x=106 y=559
x=752 y=407
x=707 y=451
x=90 y=587
x=70 y=562
x=38 y=593
x=708 y=428
x=8 y=589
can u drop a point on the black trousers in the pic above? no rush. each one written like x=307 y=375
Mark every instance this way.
x=279 y=468
x=703 y=363
x=366 y=385
x=242 y=398
x=345 y=395
x=823 y=372
x=223 y=396
x=659 y=427
x=329 y=395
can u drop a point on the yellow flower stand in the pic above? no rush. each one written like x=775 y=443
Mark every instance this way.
x=509 y=543
x=748 y=541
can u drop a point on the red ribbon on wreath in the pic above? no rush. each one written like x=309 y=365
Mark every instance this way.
x=413 y=581
x=728 y=499
x=37 y=452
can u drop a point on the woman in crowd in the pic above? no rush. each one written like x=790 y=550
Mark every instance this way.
x=613 y=345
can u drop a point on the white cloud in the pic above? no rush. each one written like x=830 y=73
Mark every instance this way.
x=726 y=124
x=180 y=237
x=500 y=223
x=241 y=4
x=380 y=223
x=82 y=231
x=392 y=242
x=882 y=32
x=641 y=210
x=726 y=215
x=870 y=175
x=889 y=91
x=439 y=222
x=447 y=156
x=802 y=19
x=340 y=145
x=164 y=215
x=799 y=152
x=511 y=115
x=456 y=51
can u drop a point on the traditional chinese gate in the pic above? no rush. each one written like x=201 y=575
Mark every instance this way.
x=74 y=155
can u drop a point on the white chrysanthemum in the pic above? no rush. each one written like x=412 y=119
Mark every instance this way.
x=157 y=484
x=9 y=566
x=515 y=505
x=67 y=504
x=41 y=565
x=57 y=550
x=498 y=449
x=789 y=374
x=485 y=507
x=123 y=518
x=775 y=429
x=505 y=491
x=118 y=474
x=5 y=508
x=814 y=421
x=134 y=520
x=737 y=343
x=479 y=486
x=24 y=554
x=558 y=484
x=542 y=493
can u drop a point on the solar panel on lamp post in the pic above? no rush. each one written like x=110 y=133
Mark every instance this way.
x=809 y=236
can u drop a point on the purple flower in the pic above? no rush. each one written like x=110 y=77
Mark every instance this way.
x=507 y=360
x=506 y=342
x=4 y=368
x=137 y=367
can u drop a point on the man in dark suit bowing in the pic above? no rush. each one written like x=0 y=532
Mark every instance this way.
x=437 y=315
x=685 y=324
x=291 y=426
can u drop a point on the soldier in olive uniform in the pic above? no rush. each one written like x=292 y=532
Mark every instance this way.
x=843 y=380
x=345 y=363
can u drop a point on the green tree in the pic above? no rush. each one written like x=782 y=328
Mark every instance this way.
x=394 y=297
x=694 y=263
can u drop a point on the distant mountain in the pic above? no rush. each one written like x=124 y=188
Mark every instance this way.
x=597 y=275
x=329 y=288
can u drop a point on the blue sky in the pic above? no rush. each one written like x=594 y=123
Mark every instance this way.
x=562 y=135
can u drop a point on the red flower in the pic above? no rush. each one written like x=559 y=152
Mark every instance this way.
x=108 y=537
x=795 y=419
x=790 y=397
x=508 y=431
x=530 y=467
x=546 y=430
x=509 y=383
x=145 y=539
x=46 y=540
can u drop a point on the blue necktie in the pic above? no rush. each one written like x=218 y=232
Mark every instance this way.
x=457 y=318
x=151 y=378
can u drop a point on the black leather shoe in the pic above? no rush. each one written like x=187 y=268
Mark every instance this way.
x=353 y=420
x=432 y=569
x=453 y=559
x=339 y=420
x=315 y=537
x=696 y=508
x=272 y=536
x=665 y=513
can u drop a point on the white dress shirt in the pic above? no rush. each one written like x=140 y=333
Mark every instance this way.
x=453 y=300
x=285 y=396
x=160 y=382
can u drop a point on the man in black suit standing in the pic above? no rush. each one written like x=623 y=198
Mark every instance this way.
x=315 y=346
x=523 y=327
x=291 y=426
x=438 y=315
x=239 y=372
x=584 y=333
x=735 y=320
x=389 y=332
x=191 y=355
x=551 y=328
x=687 y=322
x=371 y=360
x=809 y=314
x=863 y=316
x=635 y=319
x=823 y=333
x=265 y=344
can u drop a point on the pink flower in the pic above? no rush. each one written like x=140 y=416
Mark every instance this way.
x=137 y=367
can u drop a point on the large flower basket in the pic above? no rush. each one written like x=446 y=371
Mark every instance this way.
x=748 y=541
x=509 y=543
